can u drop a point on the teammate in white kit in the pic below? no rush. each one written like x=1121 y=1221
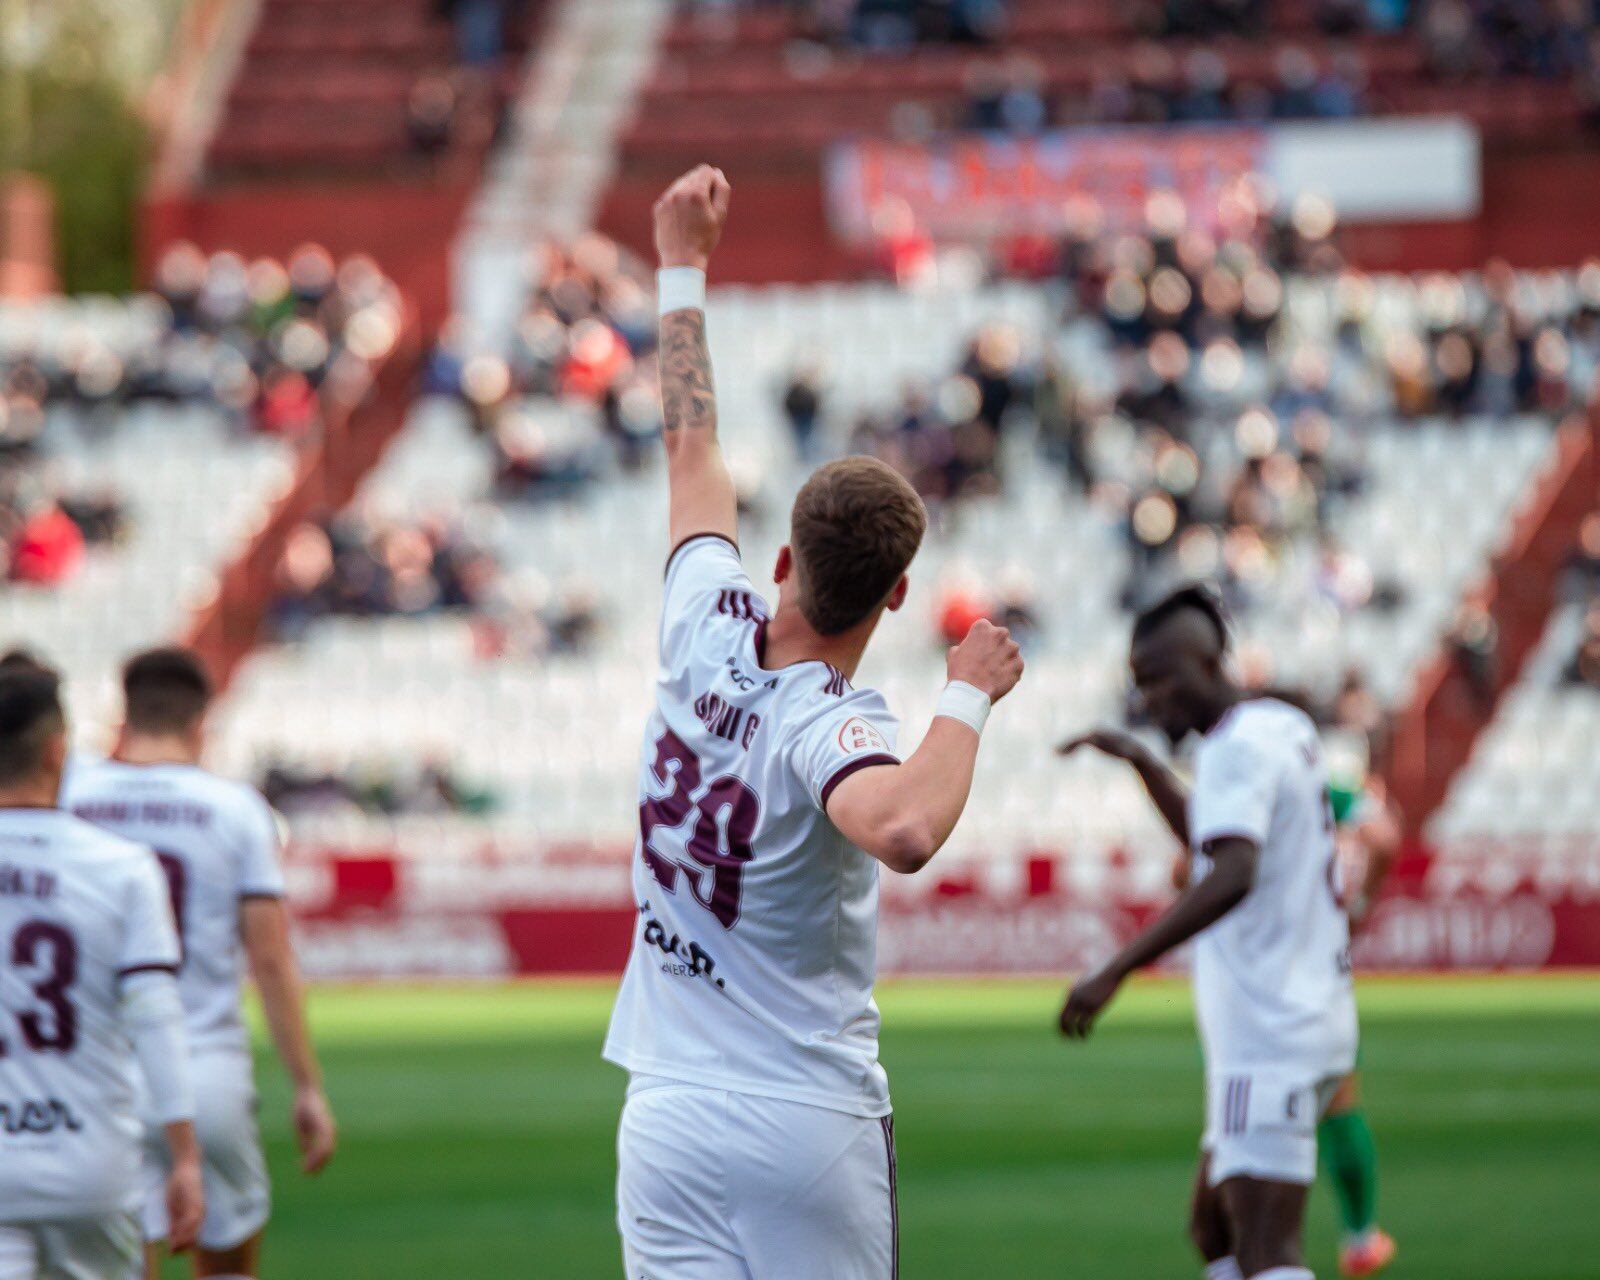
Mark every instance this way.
x=88 y=1002
x=217 y=841
x=756 y=1140
x=1272 y=984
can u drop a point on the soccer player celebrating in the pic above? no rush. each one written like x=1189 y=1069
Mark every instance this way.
x=1271 y=959
x=88 y=1003
x=217 y=842
x=756 y=1139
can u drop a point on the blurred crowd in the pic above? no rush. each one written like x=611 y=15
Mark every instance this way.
x=363 y=564
x=1010 y=93
x=261 y=342
x=359 y=566
x=1182 y=401
x=576 y=390
x=432 y=787
x=264 y=339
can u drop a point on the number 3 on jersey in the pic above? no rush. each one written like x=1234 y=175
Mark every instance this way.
x=726 y=812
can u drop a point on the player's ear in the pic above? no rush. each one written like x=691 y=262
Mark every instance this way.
x=785 y=565
x=897 y=596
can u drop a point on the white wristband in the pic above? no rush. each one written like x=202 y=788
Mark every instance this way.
x=964 y=702
x=680 y=288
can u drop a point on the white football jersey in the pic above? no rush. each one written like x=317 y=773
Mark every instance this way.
x=217 y=842
x=755 y=951
x=1272 y=977
x=79 y=910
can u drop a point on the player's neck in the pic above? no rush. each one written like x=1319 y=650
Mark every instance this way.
x=791 y=639
x=146 y=748
x=1226 y=701
x=39 y=793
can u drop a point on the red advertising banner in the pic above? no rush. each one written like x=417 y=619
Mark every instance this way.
x=977 y=187
x=388 y=917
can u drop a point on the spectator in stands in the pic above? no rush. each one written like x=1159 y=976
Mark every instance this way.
x=802 y=407
x=1584 y=669
x=480 y=27
x=1473 y=640
x=46 y=548
x=430 y=115
x=1006 y=97
x=1580 y=576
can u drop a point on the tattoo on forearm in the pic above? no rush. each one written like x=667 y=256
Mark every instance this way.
x=688 y=399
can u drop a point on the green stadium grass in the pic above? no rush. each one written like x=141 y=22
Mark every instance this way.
x=478 y=1133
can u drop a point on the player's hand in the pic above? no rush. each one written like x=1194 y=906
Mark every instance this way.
x=315 y=1130
x=689 y=217
x=186 y=1205
x=1119 y=744
x=1086 y=1001
x=1359 y=911
x=987 y=659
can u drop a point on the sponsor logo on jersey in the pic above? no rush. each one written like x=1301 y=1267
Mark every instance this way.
x=685 y=958
x=37 y=1116
x=857 y=735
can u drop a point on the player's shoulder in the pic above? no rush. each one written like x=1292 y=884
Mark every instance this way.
x=102 y=852
x=814 y=692
x=705 y=562
x=1267 y=721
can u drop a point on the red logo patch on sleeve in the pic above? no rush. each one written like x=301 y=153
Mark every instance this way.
x=857 y=735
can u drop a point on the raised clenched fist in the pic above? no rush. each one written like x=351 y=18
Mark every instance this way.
x=689 y=217
x=988 y=659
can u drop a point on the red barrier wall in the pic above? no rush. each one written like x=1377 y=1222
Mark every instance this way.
x=365 y=917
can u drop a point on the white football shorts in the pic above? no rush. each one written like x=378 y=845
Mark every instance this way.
x=101 y=1248
x=1262 y=1123
x=233 y=1169
x=713 y=1185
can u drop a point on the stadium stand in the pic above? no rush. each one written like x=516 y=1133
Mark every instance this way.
x=1368 y=578
x=159 y=430
x=1533 y=777
x=799 y=79
x=411 y=84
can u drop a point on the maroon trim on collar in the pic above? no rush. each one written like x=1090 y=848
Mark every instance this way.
x=695 y=537
x=854 y=766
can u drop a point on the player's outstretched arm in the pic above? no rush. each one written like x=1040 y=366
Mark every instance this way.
x=1202 y=904
x=264 y=927
x=1167 y=793
x=688 y=223
x=902 y=814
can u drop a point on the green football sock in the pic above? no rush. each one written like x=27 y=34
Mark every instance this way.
x=1351 y=1159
